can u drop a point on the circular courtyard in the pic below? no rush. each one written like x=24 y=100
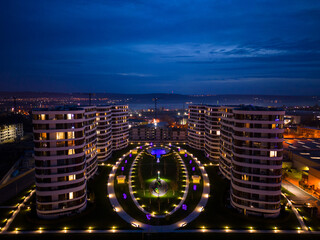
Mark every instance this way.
x=156 y=186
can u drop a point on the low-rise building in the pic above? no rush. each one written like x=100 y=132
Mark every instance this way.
x=11 y=132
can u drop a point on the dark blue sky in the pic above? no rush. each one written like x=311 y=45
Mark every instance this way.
x=192 y=47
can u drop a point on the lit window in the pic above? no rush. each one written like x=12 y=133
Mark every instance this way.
x=70 y=135
x=59 y=135
x=273 y=153
x=72 y=177
x=70 y=195
x=71 y=151
x=43 y=136
x=245 y=177
x=218 y=132
x=70 y=116
x=43 y=117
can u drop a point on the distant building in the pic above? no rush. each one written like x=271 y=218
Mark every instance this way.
x=162 y=132
x=196 y=126
x=10 y=132
x=308 y=132
x=304 y=156
x=250 y=152
x=68 y=144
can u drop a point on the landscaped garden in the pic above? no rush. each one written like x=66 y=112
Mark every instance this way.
x=158 y=186
x=158 y=190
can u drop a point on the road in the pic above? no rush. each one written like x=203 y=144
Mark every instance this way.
x=15 y=186
x=300 y=197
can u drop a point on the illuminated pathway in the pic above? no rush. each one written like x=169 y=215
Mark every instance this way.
x=162 y=228
x=15 y=213
x=92 y=231
x=295 y=211
x=134 y=198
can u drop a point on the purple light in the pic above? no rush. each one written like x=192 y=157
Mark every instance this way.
x=194 y=187
x=125 y=161
x=184 y=207
x=124 y=196
x=186 y=155
x=193 y=169
x=130 y=155
x=148 y=216
x=151 y=144
x=122 y=168
x=190 y=161
x=140 y=147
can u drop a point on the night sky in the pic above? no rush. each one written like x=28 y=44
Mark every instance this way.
x=188 y=47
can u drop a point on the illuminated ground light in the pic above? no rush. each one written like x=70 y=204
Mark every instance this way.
x=90 y=229
x=134 y=224
x=65 y=229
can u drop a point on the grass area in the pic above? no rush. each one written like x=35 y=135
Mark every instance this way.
x=6 y=213
x=310 y=217
x=170 y=171
x=192 y=199
x=286 y=192
x=293 y=173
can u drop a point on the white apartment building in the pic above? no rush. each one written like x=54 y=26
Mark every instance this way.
x=250 y=152
x=66 y=154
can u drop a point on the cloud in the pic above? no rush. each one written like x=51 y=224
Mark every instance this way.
x=135 y=74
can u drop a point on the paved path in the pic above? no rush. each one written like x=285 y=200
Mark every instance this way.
x=16 y=185
x=91 y=231
x=162 y=228
x=300 y=195
x=15 y=213
x=295 y=211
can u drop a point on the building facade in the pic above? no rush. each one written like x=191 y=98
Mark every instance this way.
x=165 y=133
x=11 y=132
x=257 y=151
x=104 y=133
x=60 y=161
x=196 y=126
x=212 y=132
x=120 y=126
x=66 y=155
x=250 y=153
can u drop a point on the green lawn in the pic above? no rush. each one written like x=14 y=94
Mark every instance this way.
x=152 y=203
x=147 y=168
x=310 y=217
